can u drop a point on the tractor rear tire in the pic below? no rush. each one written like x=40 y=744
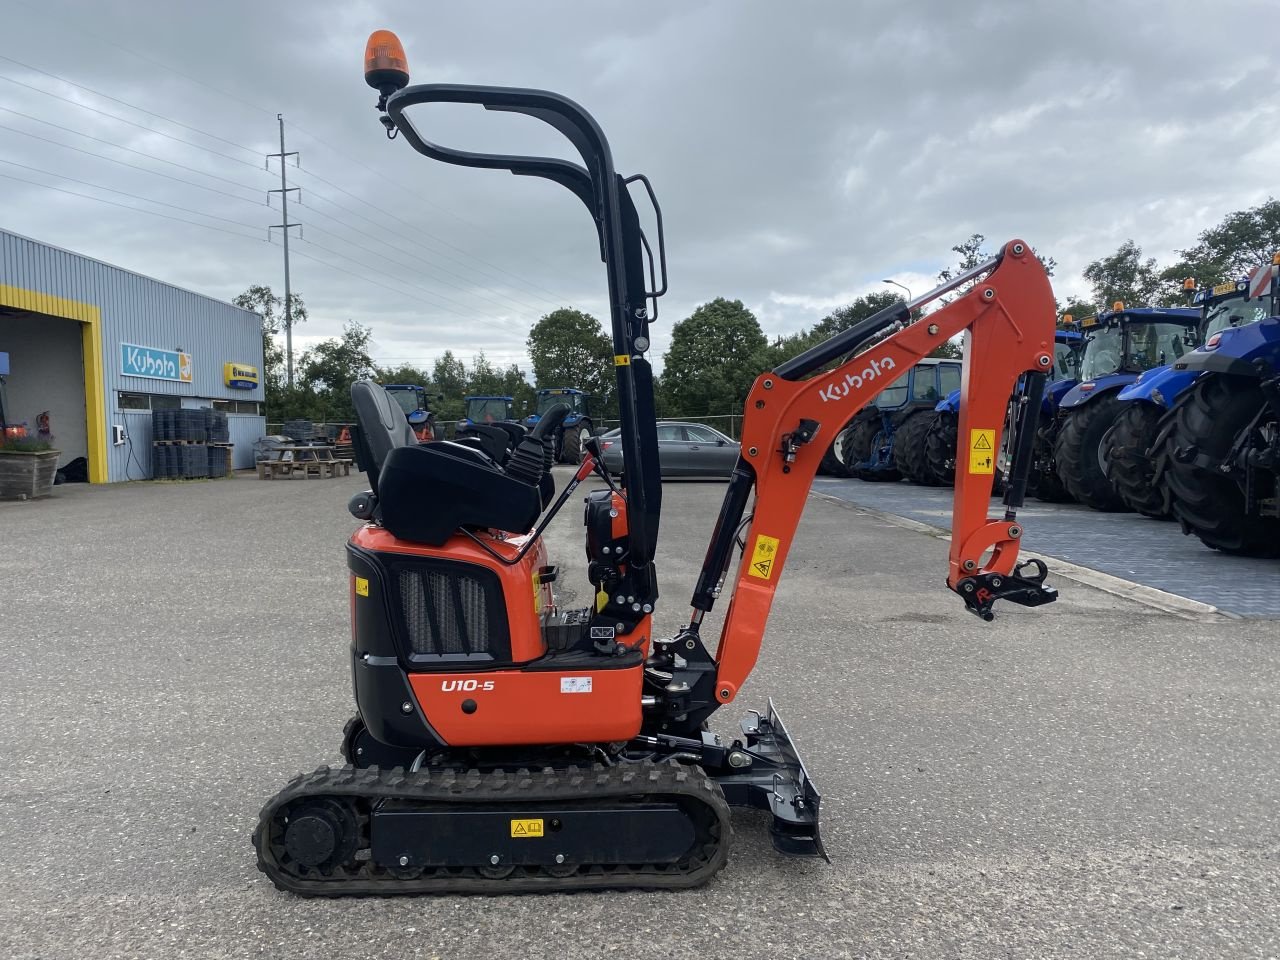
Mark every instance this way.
x=908 y=447
x=1131 y=461
x=940 y=448
x=571 y=445
x=855 y=445
x=1046 y=486
x=1079 y=454
x=829 y=466
x=1207 y=421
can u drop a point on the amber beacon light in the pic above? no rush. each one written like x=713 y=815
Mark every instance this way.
x=386 y=68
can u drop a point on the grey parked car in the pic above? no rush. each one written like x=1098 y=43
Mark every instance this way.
x=684 y=450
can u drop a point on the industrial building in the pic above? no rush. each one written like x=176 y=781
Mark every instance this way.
x=88 y=350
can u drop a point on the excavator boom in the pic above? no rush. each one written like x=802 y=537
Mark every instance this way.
x=1007 y=318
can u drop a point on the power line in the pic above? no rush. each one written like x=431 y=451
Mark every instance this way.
x=125 y=206
x=209 y=226
x=418 y=231
x=511 y=302
x=555 y=302
x=132 y=123
x=142 y=56
x=427 y=200
x=126 y=103
x=470 y=317
x=120 y=146
x=131 y=166
x=134 y=196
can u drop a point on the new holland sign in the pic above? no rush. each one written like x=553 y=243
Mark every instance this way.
x=136 y=361
x=240 y=376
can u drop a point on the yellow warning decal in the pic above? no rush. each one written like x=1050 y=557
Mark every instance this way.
x=537 y=594
x=982 y=454
x=362 y=587
x=622 y=359
x=763 y=555
x=526 y=828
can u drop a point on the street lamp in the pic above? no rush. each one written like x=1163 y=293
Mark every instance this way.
x=902 y=285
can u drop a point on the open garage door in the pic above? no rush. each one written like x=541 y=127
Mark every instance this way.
x=55 y=368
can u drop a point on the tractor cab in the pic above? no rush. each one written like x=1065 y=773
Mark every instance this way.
x=581 y=422
x=867 y=447
x=413 y=399
x=1122 y=343
x=486 y=410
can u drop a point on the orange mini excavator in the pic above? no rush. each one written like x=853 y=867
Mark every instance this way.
x=504 y=743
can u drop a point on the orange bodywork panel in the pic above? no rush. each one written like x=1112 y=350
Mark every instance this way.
x=523 y=595
x=1008 y=320
x=529 y=706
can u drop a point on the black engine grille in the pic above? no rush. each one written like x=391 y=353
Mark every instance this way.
x=452 y=612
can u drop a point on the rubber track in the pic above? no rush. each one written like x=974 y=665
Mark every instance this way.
x=660 y=782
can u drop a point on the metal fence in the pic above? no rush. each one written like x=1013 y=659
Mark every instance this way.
x=730 y=424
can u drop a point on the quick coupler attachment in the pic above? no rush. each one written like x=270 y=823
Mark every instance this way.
x=777 y=781
x=1024 y=586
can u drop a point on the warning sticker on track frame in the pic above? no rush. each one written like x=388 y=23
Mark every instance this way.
x=526 y=828
x=982 y=453
x=763 y=556
x=362 y=587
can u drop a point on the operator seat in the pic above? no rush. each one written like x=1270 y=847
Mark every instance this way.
x=424 y=492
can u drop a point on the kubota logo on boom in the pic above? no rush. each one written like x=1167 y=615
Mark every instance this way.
x=853 y=381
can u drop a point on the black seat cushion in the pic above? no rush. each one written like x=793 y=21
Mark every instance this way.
x=382 y=426
x=427 y=492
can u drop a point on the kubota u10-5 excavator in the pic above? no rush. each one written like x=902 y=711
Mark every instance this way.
x=505 y=744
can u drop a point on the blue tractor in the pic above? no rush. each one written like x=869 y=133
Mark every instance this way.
x=867 y=448
x=416 y=404
x=1130 y=449
x=577 y=426
x=1119 y=344
x=938 y=449
x=1221 y=439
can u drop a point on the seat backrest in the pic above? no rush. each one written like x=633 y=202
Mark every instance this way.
x=383 y=425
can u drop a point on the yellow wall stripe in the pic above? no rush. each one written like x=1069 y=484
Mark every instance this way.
x=95 y=400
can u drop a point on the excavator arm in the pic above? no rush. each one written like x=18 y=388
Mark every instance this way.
x=1007 y=318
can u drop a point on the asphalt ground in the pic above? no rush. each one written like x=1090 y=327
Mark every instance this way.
x=1095 y=778
x=1154 y=553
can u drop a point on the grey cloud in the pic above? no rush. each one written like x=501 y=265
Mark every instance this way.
x=801 y=151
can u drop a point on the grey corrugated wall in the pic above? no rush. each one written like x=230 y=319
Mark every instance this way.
x=138 y=310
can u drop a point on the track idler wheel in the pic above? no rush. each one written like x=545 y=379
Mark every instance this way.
x=319 y=835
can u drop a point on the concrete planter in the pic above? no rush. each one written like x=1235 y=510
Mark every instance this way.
x=27 y=476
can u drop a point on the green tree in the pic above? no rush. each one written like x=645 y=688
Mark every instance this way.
x=1077 y=309
x=262 y=301
x=403 y=373
x=1125 y=276
x=1243 y=240
x=329 y=368
x=714 y=357
x=569 y=348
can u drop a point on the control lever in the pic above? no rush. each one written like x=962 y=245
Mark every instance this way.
x=592 y=446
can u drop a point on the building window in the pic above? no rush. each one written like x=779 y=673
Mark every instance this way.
x=134 y=401
x=149 y=401
x=251 y=407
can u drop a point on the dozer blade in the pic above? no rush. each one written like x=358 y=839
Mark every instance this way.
x=777 y=781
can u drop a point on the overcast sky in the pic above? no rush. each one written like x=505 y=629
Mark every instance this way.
x=802 y=151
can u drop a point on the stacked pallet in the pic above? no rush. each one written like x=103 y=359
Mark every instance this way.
x=190 y=444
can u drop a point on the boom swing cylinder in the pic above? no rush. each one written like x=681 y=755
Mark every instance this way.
x=523 y=746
